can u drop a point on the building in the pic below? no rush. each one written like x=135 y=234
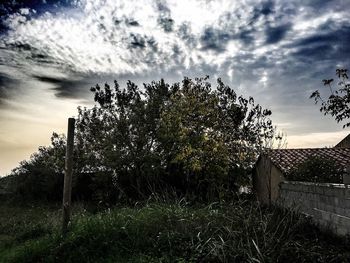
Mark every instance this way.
x=344 y=143
x=271 y=167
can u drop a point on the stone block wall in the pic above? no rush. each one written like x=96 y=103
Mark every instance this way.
x=327 y=204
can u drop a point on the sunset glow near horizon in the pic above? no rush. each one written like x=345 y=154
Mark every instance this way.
x=52 y=52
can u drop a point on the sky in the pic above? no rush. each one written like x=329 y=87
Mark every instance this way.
x=278 y=51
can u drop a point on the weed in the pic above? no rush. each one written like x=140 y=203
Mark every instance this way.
x=176 y=232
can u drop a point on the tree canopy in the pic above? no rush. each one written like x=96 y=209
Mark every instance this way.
x=338 y=102
x=187 y=139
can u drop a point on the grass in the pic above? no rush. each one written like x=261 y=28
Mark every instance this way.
x=159 y=232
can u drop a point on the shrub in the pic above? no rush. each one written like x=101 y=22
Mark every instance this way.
x=185 y=138
x=318 y=170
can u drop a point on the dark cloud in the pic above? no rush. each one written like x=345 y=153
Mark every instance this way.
x=246 y=36
x=217 y=39
x=164 y=17
x=319 y=38
x=267 y=8
x=67 y=88
x=7 y=84
x=13 y=6
x=18 y=46
x=137 y=41
x=5 y=81
x=326 y=43
x=276 y=34
x=319 y=52
x=162 y=7
x=214 y=39
x=321 y=5
x=29 y=52
x=166 y=23
x=142 y=41
x=133 y=23
x=10 y=7
x=184 y=32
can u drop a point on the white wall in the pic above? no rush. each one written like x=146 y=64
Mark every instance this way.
x=327 y=204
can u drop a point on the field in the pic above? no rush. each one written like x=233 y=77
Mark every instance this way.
x=165 y=232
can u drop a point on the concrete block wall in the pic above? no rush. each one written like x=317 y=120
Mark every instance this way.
x=327 y=204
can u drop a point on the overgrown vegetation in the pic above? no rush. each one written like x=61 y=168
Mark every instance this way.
x=187 y=143
x=318 y=170
x=175 y=232
x=186 y=139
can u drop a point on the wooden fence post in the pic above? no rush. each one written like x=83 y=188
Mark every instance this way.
x=68 y=170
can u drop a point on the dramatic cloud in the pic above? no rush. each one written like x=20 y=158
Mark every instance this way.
x=275 y=50
x=66 y=87
x=6 y=86
x=135 y=37
x=276 y=34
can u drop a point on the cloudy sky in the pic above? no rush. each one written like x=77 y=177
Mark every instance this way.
x=278 y=51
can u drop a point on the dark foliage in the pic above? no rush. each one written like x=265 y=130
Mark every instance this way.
x=338 y=102
x=187 y=139
x=157 y=232
x=318 y=170
x=41 y=177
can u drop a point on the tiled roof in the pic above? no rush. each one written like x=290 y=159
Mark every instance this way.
x=287 y=159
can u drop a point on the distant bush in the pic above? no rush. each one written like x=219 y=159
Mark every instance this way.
x=318 y=170
x=40 y=177
x=38 y=183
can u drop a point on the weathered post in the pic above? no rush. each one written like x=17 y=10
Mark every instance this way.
x=68 y=170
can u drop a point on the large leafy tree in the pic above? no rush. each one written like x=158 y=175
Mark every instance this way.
x=338 y=102
x=117 y=138
x=195 y=139
x=187 y=139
